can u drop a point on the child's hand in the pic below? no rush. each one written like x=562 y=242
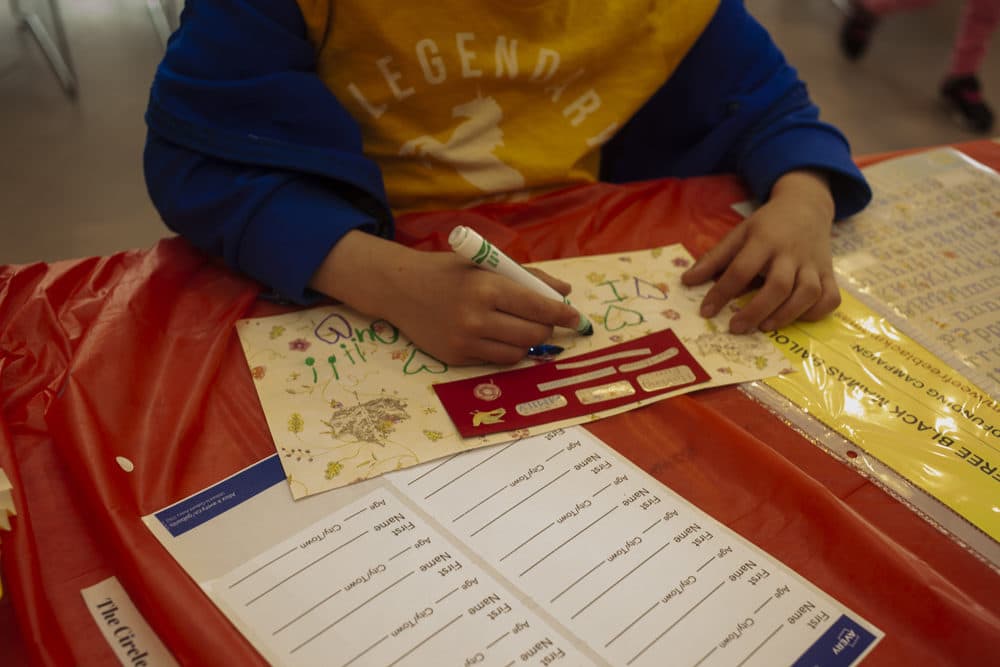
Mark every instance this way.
x=448 y=307
x=787 y=242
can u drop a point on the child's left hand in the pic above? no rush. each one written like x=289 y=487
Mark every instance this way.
x=787 y=242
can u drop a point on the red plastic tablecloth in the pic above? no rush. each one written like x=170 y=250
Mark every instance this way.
x=135 y=355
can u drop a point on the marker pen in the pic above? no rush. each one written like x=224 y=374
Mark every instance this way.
x=544 y=352
x=471 y=245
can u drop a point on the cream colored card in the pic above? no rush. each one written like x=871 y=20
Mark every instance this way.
x=347 y=398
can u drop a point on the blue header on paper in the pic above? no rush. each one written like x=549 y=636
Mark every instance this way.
x=841 y=644
x=227 y=494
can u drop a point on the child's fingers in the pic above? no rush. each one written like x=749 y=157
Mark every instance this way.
x=716 y=259
x=497 y=338
x=496 y=352
x=558 y=285
x=806 y=293
x=517 y=330
x=828 y=301
x=748 y=263
x=778 y=287
x=524 y=304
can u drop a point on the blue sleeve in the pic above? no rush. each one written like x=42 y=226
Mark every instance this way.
x=735 y=105
x=248 y=154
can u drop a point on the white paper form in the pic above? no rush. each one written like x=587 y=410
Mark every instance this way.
x=374 y=584
x=553 y=550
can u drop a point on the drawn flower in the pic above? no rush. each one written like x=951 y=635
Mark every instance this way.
x=671 y=314
x=333 y=469
x=520 y=433
x=258 y=372
x=336 y=405
x=595 y=277
x=655 y=252
x=681 y=262
x=724 y=371
x=276 y=331
x=296 y=423
x=433 y=436
x=399 y=355
x=430 y=410
x=299 y=345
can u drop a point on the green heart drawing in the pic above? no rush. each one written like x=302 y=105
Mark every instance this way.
x=616 y=317
x=420 y=361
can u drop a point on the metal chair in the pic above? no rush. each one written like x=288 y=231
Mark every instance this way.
x=164 y=16
x=56 y=50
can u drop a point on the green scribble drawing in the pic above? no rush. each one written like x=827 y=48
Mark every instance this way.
x=420 y=361
x=617 y=318
x=614 y=290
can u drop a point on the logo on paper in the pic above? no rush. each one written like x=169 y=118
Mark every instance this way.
x=846 y=638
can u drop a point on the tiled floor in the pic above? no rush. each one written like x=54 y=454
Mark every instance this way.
x=70 y=170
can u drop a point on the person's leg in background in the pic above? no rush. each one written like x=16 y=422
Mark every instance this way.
x=862 y=18
x=961 y=87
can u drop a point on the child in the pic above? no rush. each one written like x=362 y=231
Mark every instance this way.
x=960 y=89
x=283 y=136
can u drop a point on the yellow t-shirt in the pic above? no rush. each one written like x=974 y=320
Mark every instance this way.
x=462 y=101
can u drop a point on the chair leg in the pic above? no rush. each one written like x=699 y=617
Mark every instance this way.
x=56 y=50
x=161 y=21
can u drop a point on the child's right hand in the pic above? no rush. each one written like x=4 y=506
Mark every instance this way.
x=448 y=307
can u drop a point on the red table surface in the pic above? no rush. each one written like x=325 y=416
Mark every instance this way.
x=136 y=355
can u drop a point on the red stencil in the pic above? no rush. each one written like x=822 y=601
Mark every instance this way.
x=565 y=388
